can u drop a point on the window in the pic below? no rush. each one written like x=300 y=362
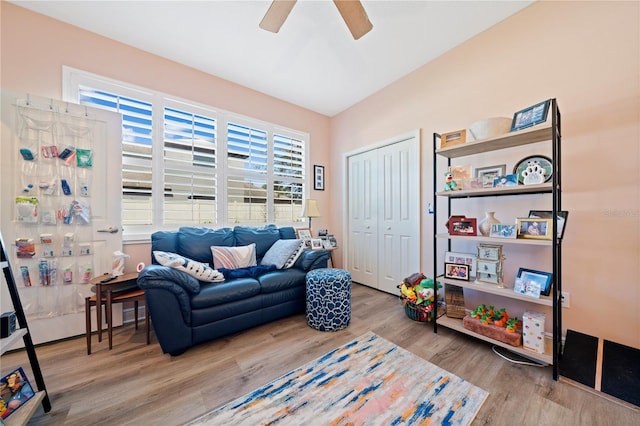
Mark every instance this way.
x=188 y=164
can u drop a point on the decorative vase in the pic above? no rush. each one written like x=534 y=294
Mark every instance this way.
x=485 y=224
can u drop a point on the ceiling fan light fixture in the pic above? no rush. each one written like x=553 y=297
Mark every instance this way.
x=352 y=13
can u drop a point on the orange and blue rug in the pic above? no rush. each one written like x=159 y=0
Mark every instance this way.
x=368 y=381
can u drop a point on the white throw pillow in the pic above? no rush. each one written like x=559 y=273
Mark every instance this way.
x=200 y=271
x=234 y=257
x=283 y=253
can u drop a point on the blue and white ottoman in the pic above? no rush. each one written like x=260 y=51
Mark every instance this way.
x=328 y=299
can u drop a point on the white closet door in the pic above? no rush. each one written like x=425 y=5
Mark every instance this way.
x=398 y=213
x=362 y=256
x=384 y=214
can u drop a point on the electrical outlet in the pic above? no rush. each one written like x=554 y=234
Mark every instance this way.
x=565 y=299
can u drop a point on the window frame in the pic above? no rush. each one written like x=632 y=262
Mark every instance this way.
x=74 y=78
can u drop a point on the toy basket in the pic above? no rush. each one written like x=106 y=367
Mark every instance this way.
x=415 y=312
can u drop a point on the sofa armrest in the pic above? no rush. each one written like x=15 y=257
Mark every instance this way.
x=176 y=282
x=312 y=259
x=153 y=275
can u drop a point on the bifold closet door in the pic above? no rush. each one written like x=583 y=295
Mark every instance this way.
x=362 y=251
x=398 y=213
x=384 y=214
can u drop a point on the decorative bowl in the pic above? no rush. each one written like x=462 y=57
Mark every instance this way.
x=490 y=128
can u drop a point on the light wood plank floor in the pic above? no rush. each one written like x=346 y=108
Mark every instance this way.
x=137 y=384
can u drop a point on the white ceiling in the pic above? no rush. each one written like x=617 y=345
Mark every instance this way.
x=312 y=62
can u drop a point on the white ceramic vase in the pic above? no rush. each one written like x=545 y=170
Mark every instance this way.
x=485 y=224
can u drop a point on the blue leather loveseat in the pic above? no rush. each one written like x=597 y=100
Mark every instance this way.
x=185 y=311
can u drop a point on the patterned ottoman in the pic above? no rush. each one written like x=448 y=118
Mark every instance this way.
x=328 y=299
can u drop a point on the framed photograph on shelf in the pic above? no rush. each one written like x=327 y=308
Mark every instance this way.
x=548 y=214
x=318 y=178
x=460 y=172
x=468 y=259
x=450 y=139
x=16 y=390
x=303 y=233
x=530 y=282
x=486 y=175
x=456 y=271
x=534 y=228
x=505 y=180
x=466 y=227
x=316 y=244
x=530 y=116
x=501 y=230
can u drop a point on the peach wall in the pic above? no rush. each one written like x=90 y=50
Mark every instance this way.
x=585 y=54
x=35 y=48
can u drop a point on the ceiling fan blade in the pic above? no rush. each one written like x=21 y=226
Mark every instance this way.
x=354 y=16
x=276 y=15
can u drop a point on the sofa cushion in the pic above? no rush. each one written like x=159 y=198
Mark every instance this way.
x=164 y=241
x=275 y=281
x=218 y=316
x=283 y=253
x=234 y=257
x=198 y=270
x=287 y=233
x=229 y=291
x=263 y=237
x=196 y=242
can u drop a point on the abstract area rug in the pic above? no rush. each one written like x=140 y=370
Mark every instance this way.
x=368 y=381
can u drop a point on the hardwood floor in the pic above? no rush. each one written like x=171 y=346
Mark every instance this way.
x=136 y=384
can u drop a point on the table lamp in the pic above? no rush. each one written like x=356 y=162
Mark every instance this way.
x=310 y=209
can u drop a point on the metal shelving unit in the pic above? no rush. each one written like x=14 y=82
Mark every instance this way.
x=548 y=131
x=22 y=416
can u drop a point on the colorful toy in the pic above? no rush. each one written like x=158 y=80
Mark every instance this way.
x=449 y=183
x=491 y=315
x=408 y=292
x=513 y=324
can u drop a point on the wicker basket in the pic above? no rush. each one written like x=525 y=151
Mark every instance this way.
x=415 y=312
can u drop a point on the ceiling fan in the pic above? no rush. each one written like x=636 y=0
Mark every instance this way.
x=352 y=12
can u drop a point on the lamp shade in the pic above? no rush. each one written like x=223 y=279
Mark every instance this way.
x=310 y=208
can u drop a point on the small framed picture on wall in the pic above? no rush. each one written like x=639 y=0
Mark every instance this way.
x=318 y=178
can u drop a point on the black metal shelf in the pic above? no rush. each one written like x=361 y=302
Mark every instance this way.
x=23 y=332
x=548 y=131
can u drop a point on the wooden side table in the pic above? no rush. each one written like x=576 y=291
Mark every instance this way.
x=331 y=250
x=121 y=283
x=119 y=290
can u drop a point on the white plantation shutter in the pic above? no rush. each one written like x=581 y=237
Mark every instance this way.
x=178 y=170
x=288 y=172
x=137 y=139
x=247 y=162
x=190 y=172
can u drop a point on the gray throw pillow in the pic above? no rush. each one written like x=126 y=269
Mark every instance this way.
x=283 y=253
